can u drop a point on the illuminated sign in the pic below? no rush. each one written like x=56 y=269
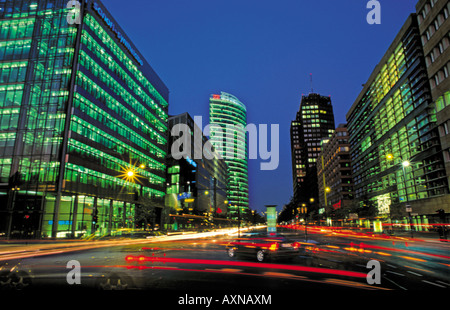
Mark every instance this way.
x=271 y=219
x=337 y=205
x=184 y=196
x=190 y=161
x=60 y=222
x=119 y=35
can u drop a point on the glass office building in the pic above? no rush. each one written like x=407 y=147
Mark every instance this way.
x=196 y=185
x=83 y=134
x=314 y=121
x=396 y=152
x=228 y=121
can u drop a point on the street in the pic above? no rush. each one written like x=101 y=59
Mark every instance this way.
x=327 y=260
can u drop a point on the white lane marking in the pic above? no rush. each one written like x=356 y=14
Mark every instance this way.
x=396 y=273
x=414 y=273
x=433 y=283
x=395 y=284
x=443 y=283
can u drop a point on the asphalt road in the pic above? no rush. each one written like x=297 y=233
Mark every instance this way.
x=328 y=261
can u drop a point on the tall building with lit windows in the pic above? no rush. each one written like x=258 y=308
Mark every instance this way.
x=196 y=180
x=314 y=121
x=334 y=172
x=434 y=26
x=396 y=153
x=83 y=134
x=228 y=121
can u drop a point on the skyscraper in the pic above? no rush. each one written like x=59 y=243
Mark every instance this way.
x=434 y=27
x=314 y=121
x=84 y=133
x=195 y=186
x=395 y=147
x=228 y=119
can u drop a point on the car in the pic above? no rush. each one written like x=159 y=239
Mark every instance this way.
x=263 y=247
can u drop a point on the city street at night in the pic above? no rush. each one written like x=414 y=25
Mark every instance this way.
x=290 y=154
x=329 y=259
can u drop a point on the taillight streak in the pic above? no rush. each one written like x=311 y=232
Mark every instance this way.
x=143 y=259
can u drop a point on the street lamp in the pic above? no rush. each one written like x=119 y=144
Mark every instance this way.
x=406 y=164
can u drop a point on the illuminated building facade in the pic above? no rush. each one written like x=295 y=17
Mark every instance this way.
x=228 y=121
x=196 y=187
x=84 y=133
x=314 y=121
x=434 y=27
x=394 y=142
x=334 y=171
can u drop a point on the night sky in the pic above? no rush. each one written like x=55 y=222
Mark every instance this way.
x=263 y=53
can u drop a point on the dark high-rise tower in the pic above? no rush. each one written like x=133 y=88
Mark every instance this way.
x=314 y=121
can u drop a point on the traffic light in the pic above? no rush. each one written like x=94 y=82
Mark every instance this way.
x=95 y=216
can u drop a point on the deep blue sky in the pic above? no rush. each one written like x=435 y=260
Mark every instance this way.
x=262 y=52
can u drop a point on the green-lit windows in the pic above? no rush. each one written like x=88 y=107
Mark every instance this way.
x=14 y=50
x=174 y=177
x=9 y=119
x=16 y=29
x=366 y=144
x=103 y=37
x=13 y=72
x=100 y=94
x=113 y=123
x=174 y=169
x=11 y=95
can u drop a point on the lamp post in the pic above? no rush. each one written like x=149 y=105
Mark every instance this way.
x=304 y=210
x=327 y=189
x=239 y=220
x=406 y=164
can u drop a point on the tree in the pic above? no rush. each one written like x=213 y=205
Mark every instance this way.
x=148 y=212
x=288 y=212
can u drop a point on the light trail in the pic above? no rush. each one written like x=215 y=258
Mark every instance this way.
x=147 y=259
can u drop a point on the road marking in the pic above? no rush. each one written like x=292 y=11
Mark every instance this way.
x=396 y=284
x=434 y=283
x=414 y=273
x=396 y=273
x=443 y=283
